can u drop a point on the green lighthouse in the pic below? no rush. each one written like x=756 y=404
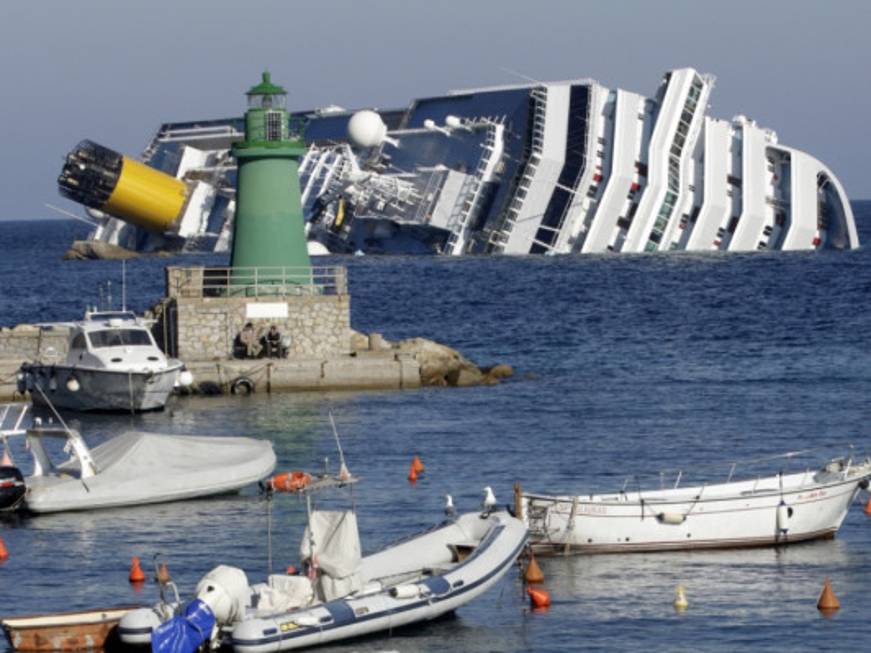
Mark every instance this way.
x=268 y=230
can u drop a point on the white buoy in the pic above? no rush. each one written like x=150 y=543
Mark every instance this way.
x=185 y=379
x=73 y=384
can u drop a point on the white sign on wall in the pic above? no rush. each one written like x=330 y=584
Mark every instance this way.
x=266 y=310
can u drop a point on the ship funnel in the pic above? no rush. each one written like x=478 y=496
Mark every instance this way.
x=112 y=183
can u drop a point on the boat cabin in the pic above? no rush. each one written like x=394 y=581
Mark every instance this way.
x=114 y=340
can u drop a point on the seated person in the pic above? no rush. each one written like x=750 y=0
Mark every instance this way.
x=249 y=340
x=273 y=344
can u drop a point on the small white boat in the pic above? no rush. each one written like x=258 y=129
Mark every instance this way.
x=343 y=595
x=756 y=511
x=112 y=363
x=133 y=468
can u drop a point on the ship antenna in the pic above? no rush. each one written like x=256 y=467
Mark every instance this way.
x=520 y=75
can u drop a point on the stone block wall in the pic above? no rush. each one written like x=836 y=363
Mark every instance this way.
x=318 y=326
x=203 y=312
x=26 y=342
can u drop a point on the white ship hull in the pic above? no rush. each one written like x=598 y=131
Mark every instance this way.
x=568 y=167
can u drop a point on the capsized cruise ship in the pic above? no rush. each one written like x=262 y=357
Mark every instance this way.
x=568 y=167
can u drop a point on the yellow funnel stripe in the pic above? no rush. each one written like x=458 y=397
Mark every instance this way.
x=146 y=197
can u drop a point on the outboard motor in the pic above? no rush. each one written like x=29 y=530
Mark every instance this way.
x=12 y=488
x=222 y=595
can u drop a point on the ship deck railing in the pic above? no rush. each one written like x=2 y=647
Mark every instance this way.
x=199 y=282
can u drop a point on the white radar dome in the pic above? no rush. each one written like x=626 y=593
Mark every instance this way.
x=367 y=129
x=453 y=122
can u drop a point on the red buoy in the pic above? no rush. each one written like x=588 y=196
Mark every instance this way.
x=136 y=573
x=538 y=597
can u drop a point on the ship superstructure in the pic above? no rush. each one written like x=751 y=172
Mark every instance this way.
x=568 y=167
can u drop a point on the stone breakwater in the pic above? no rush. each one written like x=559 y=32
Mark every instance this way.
x=369 y=361
x=440 y=365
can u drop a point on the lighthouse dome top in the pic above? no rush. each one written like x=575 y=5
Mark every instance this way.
x=266 y=95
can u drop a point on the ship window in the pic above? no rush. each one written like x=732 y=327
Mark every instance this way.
x=119 y=338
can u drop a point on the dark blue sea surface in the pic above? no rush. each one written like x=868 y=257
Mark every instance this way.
x=625 y=365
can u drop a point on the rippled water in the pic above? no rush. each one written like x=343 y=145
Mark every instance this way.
x=626 y=365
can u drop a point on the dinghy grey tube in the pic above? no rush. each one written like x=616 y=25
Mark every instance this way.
x=381 y=606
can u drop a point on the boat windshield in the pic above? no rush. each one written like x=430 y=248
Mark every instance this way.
x=119 y=338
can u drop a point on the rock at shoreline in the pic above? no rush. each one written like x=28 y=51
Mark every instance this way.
x=82 y=250
x=440 y=365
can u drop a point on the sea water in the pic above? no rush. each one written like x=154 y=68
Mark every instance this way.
x=625 y=365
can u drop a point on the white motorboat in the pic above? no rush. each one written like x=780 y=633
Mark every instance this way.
x=343 y=595
x=133 y=468
x=112 y=363
x=755 y=511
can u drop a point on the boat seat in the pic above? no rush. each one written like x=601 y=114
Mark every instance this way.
x=282 y=592
x=461 y=550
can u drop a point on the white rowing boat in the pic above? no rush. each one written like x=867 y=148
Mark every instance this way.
x=767 y=510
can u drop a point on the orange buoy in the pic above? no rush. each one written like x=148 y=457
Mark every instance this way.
x=868 y=507
x=291 y=570
x=538 y=597
x=163 y=576
x=136 y=573
x=412 y=474
x=533 y=571
x=4 y=554
x=828 y=601
x=417 y=465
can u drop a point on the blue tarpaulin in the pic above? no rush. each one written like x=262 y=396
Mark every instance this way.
x=184 y=634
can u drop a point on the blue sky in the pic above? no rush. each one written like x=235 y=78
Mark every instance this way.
x=113 y=71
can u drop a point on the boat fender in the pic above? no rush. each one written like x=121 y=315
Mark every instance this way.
x=863 y=484
x=136 y=626
x=405 y=591
x=784 y=512
x=242 y=385
x=671 y=517
x=307 y=621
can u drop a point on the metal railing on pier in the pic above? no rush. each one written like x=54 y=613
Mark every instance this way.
x=192 y=283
